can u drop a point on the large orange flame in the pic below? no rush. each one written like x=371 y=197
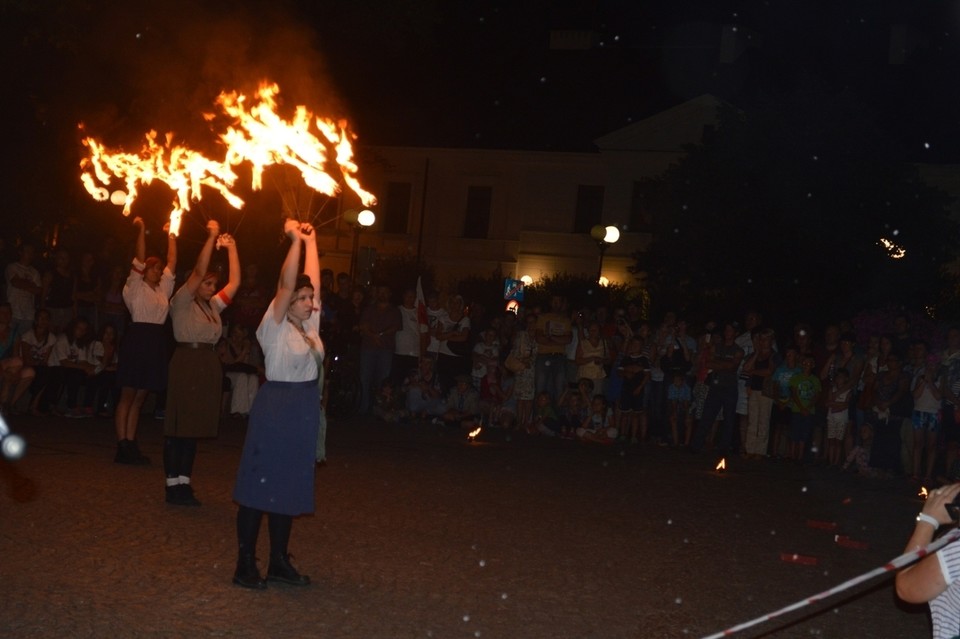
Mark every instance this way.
x=258 y=134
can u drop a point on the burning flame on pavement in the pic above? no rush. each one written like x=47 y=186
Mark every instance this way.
x=257 y=134
x=895 y=251
x=473 y=433
x=722 y=465
x=923 y=492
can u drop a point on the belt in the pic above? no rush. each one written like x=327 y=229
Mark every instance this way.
x=196 y=345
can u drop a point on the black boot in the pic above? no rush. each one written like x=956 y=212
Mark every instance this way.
x=281 y=570
x=186 y=496
x=173 y=494
x=247 y=574
x=124 y=454
x=136 y=457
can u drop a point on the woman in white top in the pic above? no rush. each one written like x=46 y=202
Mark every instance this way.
x=195 y=383
x=277 y=467
x=143 y=350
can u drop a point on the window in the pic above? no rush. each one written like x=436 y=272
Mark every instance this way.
x=589 y=208
x=396 y=209
x=477 y=221
x=639 y=215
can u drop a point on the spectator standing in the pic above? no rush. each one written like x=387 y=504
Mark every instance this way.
x=379 y=325
x=410 y=339
x=58 y=288
x=24 y=286
x=553 y=333
x=722 y=382
x=454 y=336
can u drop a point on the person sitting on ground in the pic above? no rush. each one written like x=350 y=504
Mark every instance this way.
x=491 y=396
x=463 y=403
x=36 y=376
x=11 y=364
x=933 y=579
x=572 y=413
x=598 y=425
x=546 y=420
x=71 y=362
x=423 y=391
x=859 y=457
x=388 y=403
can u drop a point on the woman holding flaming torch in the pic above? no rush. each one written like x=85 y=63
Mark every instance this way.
x=196 y=377
x=143 y=350
x=277 y=467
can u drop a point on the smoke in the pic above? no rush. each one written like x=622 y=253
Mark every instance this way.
x=167 y=66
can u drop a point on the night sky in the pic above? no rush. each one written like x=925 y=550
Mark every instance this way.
x=474 y=74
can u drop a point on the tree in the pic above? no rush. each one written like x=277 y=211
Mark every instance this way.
x=784 y=208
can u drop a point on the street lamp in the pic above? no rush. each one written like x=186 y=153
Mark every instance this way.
x=357 y=220
x=604 y=237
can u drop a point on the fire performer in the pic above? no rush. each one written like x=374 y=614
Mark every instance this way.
x=196 y=378
x=143 y=351
x=935 y=579
x=276 y=473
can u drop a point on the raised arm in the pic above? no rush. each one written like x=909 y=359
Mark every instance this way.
x=233 y=257
x=288 y=272
x=311 y=259
x=171 y=252
x=140 y=249
x=203 y=260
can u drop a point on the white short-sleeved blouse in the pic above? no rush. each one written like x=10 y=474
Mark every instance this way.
x=287 y=356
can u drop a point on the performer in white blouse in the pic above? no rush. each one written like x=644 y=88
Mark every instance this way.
x=143 y=350
x=277 y=467
x=195 y=383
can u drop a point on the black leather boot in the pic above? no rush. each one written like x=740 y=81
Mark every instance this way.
x=186 y=496
x=247 y=574
x=281 y=570
x=136 y=457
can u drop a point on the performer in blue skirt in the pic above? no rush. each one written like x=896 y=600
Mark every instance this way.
x=277 y=465
x=142 y=365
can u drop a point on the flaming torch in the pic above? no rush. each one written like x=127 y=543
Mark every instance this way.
x=257 y=134
x=472 y=435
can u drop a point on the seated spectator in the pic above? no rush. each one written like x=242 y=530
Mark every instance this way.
x=71 y=362
x=463 y=403
x=598 y=425
x=423 y=390
x=11 y=365
x=236 y=356
x=491 y=396
x=103 y=388
x=546 y=420
x=35 y=348
x=388 y=403
x=572 y=413
x=859 y=457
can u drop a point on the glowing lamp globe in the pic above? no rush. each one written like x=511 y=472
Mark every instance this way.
x=118 y=198
x=611 y=234
x=527 y=280
x=366 y=217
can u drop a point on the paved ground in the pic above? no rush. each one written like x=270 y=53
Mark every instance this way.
x=419 y=533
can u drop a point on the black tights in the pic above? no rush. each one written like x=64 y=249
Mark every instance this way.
x=248 y=529
x=178 y=456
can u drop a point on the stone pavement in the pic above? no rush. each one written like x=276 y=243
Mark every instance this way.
x=419 y=533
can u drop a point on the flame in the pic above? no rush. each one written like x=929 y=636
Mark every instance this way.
x=895 y=251
x=263 y=138
x=183 y=170
x=722 y=465
x=923 y=492
x=473 y=433
x=257 y=134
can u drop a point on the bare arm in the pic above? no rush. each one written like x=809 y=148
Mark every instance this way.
x=141 y=245
x=923 y=581
x=172 y=253
x=311 y=259
x=288 y=272
x=203 y=260
x=233 y=258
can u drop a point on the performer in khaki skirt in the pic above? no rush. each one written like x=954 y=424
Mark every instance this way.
x=196 y=379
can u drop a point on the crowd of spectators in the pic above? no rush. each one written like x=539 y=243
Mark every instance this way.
x=884 y=402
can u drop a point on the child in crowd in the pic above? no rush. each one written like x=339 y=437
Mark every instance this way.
x=838 y=414
x=545 y=420
x=491 y=396
x=507 y=409
x=486 y=355
x=678 y=400
x=635 y=370
x=597 y=426
x=804 y=390
x=388 y=405
x=859 y=457
x=463 y=404
x=925 y=418
x=572 y=414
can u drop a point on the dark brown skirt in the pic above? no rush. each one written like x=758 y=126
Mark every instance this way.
x=194 y=392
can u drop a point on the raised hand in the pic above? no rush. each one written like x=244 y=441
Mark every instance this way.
x=213 y=227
